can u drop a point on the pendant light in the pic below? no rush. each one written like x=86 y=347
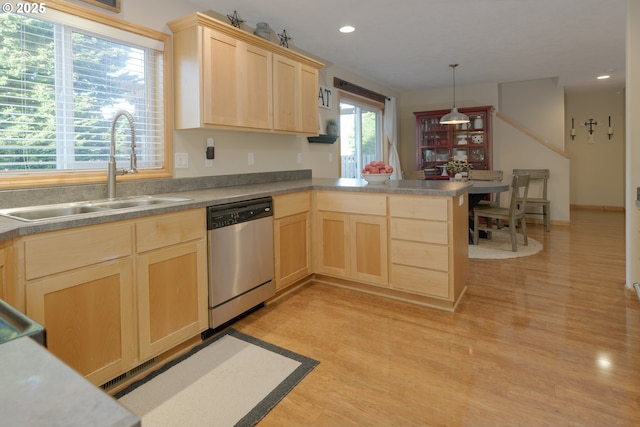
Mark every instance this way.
x=454 y=117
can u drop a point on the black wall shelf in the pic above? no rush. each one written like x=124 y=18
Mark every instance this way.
x=323 y=139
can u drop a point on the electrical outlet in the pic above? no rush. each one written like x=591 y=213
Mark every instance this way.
x=330 y=157
x=250 y=159
x=300 y=158
x=181 y=160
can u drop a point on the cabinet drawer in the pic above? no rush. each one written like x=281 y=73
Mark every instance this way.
x=419 y=231
x=422 y=207
x=170 y=229
x=365 y=204
x=59 y=251
x=291 y=204
x=423 y=255
x=420 y=281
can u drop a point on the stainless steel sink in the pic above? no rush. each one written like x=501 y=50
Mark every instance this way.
x=40 y=213
x=37 y=213
x=138 y=202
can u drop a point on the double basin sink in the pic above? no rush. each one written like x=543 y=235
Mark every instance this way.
x=62 y=210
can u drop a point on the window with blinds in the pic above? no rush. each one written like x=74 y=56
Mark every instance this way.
x=61 y=84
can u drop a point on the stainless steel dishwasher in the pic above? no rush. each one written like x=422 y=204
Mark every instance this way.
x=240 y=251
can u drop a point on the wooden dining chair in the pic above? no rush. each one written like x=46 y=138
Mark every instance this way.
x=538 y=178
x=487 y=175
x=414 y=175
x=513 y=215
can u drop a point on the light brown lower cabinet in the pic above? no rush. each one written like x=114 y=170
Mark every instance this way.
x=3 y=273
x=408 y=247
x=169 y=291
x=291 y=237
x=351 y=236
x=88 y=315
x=428 y=254
x=115 y=295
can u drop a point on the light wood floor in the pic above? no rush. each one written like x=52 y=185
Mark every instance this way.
x=548 y=340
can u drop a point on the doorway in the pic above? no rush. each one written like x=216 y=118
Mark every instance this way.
x=360 y=136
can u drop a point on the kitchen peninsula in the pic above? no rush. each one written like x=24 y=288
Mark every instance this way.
x=405 y=240
x=438 y=210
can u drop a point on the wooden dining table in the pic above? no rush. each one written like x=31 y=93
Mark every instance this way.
x=480 y=188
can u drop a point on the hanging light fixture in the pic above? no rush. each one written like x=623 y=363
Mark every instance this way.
x=454 y=117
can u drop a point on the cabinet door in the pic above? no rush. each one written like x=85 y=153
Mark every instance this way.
x=257 y=96
x=332 y=243
x=309 y=99
x=220 y=84
x=236 y=82
x=292 y=242
x=369 y=249
x=286 y=86
x=88 y=318
x=172 y=296
x=295 y=96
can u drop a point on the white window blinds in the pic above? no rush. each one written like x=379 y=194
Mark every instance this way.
x=60 y=85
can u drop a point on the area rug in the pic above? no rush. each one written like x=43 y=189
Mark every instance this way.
x=499 y=247
x=232 y=380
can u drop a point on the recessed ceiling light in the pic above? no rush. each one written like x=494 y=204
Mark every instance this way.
x=347 y=29
x=604 y=77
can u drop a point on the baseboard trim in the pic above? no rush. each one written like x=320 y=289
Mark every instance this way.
x=598 y=208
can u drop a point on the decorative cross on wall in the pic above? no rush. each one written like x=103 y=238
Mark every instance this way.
x=591 y=123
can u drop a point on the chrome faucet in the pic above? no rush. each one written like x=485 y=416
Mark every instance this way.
x=111 y=167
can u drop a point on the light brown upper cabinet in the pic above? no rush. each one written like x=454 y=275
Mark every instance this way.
x=228 y=78
x=239 y=74
x=295 y=87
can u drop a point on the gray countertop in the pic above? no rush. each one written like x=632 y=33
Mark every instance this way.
x=39 y=390
x=10 y=228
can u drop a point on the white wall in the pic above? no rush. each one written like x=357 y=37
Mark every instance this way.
x=597 y=168
x=632 y=139
x=538 y=106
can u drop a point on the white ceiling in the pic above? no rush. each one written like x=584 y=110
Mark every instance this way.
x=407 y=45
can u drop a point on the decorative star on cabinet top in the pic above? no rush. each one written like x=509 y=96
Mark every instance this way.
x=235 y=19
x=284 y=39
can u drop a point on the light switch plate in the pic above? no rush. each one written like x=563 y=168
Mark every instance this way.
x=250 y=159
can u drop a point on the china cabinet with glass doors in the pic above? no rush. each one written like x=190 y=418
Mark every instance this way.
x=436 y=144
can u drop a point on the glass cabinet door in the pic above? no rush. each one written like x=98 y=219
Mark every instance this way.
x=438 y=144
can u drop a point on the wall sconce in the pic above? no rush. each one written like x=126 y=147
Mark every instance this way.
x=573 y=130
x=610 y=129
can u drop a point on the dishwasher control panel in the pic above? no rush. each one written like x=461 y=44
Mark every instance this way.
x=235 y=213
